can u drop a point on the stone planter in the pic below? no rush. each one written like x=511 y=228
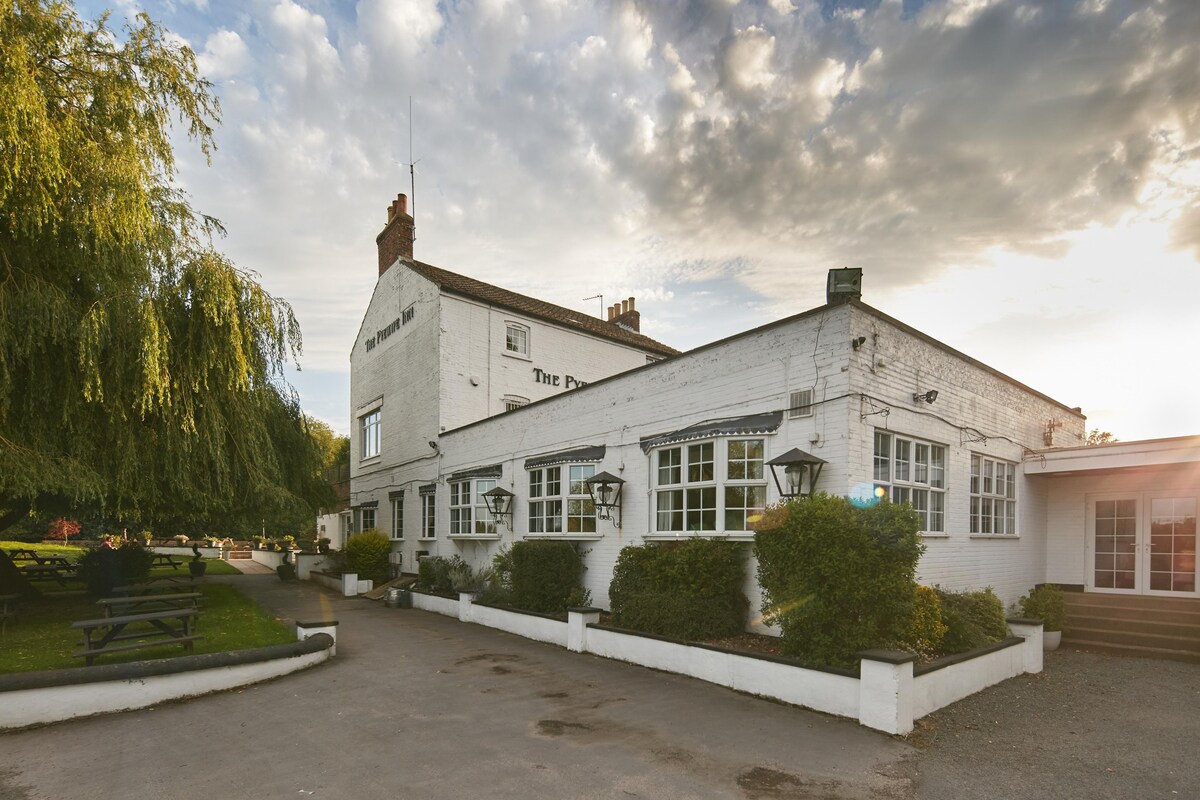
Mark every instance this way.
x=1051 y=640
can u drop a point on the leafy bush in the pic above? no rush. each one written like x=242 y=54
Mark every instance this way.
x=926 y=632
x=838 y=578
x=105 y=567
x=689 y=590
x=1046 y=603
x=367 y=554
x=544 y=575
x=973 y=619
x=433 y=575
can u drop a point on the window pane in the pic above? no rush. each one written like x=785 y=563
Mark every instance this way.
x=903 y=460
x=700 y=462
x=702 y=509
x=883 y=449
x=579 y=474
x=937 y=469
x=670 y=510
x=553 y=481
x=669 y=470
x=921 y=465
x=535 y=483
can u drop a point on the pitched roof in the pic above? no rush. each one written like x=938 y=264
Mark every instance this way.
x=469 y=287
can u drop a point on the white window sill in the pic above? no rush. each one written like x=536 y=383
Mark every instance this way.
x=395 y=538
x=935 y=535
x=482 y=537
x=518 y=356
x=369 y=461
x=735 y=536
x=577 y=537
x=1012 y=536
x=427 y=539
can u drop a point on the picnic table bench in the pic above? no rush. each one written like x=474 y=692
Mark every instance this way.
x=50 y=572
x=99 y=635
x=165 y=560
x=160 y=584
x=24 y=554
x=142 y=604
x=8 y=609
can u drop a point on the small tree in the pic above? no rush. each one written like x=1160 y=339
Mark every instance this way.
x=367 y=554
x=63 y=529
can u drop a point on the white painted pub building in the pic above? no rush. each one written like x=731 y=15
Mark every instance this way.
x=459 y=388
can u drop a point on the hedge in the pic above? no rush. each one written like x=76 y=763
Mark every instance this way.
x=366 y=553
x=689 y=590
x=839 y=577
x=973 y=619
x=546 y=576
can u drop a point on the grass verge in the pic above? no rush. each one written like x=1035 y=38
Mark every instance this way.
x=42 y=637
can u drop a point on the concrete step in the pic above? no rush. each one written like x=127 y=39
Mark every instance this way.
x=240 y=554
x=1139 y=601
x=1125 y=650
x=1182 y=617
x=1157 y=625
x=1189 y=644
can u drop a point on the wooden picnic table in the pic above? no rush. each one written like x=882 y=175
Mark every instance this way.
x=22 y=554
x=120 y=606
x=160 y=583
x=47 y=572
x=165 y=560
x=99 y=635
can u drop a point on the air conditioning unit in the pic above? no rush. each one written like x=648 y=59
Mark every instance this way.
x=422 y=554
x=396 y=558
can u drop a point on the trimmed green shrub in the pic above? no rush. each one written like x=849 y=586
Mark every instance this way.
x=926 y=631
x=433 y=575
x=105 y=567
x=544 y=575
x=973 y=619
x=367 y=554
x=690 y=590
x=1046 y=603
x=837 y=577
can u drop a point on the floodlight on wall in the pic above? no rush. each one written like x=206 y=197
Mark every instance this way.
x=499 y=503
x=859 y=342
x=800 y=473
x=928 y=397
x=605 y=490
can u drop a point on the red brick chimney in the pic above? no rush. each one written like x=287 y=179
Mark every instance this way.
x=396 y=240
x=625 y=315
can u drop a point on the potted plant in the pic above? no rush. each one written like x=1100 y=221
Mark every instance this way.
x=1046 y=603
x=323 y=544
x=196 y=566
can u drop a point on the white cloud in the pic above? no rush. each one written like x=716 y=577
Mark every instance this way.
x=224 y=56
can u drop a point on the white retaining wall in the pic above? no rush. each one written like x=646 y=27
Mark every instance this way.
x=886 y=696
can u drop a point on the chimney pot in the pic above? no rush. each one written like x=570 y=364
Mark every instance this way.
x=631 y=302
x=624 y=306
x=402 y=203
x=396 y=239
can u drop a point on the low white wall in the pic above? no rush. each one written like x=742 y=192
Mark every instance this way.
x=941 y=687
x=268 y=558
x=37 y=706
x=438 y=605
x=307 y=562
x=527 y=625
x=885 y=696
x=325 y=579
x=185 y=553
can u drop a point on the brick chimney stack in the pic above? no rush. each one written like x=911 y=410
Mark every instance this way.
x=625 y=315
x=396 y=240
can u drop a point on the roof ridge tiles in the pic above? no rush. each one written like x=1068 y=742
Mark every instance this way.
x=472 y=287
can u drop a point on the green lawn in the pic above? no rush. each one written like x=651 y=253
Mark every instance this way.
x=42 y=637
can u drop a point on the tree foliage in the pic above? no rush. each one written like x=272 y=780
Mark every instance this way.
x=1095 y=436
x=140 y=370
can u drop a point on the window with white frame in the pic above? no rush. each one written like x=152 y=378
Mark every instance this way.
x=558 y=506
x=428 y=516
x=912 y=471
x=993 y=496
x=398 y=517
x=368 y=428
x=700 y=484
x=512 y=402
x=469 y=513
x=366 y=519
x=516 y=339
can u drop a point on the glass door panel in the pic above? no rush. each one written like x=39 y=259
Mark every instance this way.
x=1172 y=545
x=1115 y=544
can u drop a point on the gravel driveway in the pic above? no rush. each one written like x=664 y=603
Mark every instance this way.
x=1090 y=726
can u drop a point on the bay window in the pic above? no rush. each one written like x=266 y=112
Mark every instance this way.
x=699 y=485
x=561 y=506
x=469 y=513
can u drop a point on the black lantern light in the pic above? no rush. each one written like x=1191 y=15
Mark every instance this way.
x=800 y=473
x=499 y=503
x=605 y=491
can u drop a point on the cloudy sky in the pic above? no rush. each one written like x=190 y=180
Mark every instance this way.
x=1018 y=179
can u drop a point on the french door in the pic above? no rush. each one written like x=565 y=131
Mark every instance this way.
x=1143 y=543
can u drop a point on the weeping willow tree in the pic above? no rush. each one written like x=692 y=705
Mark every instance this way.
x=140 y=370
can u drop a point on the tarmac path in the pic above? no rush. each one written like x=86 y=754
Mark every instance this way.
x=417 y=705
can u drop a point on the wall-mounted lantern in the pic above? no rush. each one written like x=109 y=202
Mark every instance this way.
x=800 y=472
x=499 y=503
x=605 y=490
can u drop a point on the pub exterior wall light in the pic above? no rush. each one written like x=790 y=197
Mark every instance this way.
x=799 y=472
x=499 y=503
x=605 y=490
